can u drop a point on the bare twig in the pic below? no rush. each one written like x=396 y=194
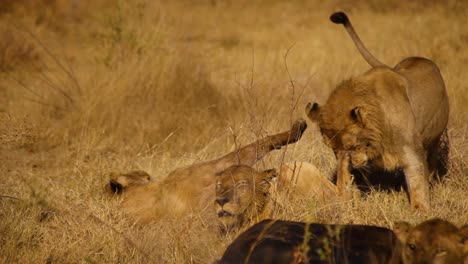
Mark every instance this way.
x=55 y=87
x=44 y=103
x=126 y=238
x=54 y=58
x=293 y=90
x=24 y=86
x=10 y=197
x=236 y=144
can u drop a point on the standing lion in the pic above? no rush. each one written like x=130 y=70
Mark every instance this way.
x=387 y=119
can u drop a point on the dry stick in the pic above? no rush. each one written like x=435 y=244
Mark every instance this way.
x=258 y=239
x=70 y=68
x=155 y=148
x=236 y=145
x=252 y=69
x=43 y=103
x=250 y=88
x=46 y=80
x=293 y=105
x=24 y=86
x=389 y=223
x=51 y=84
x=126 y=238
x=251 y=114
x=73 y=205
x=70 y=75
x=283 y=155
x=247 y=90
x=10 y=197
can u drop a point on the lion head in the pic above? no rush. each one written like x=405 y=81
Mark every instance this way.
x=241 y=193
x=118 y=182
x=350 y=121
x=432 y=241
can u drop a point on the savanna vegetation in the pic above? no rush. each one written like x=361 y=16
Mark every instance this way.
x=89 y=87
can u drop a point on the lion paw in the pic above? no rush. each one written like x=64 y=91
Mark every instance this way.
x=298 y=128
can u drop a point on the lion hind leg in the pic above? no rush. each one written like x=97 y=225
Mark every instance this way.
x=438 y=156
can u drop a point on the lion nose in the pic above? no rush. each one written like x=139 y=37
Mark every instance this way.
x=222 y=201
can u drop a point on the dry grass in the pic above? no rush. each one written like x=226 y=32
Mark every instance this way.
x=97 y=86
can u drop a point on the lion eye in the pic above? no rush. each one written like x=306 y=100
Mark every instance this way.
x=412 y=247
x=241 y=184
x=441 y=252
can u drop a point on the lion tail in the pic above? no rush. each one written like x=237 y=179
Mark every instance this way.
x=342 y=18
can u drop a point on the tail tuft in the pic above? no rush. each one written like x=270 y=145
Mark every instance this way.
x=342 y=18
x=115 y=187
x=339 y=18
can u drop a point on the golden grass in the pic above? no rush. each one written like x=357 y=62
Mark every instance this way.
x=101 y=86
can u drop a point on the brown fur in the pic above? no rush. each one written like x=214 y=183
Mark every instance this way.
x=277 y=241
x=120 y=181
x=244 y=195
x=190 y=190
x=433 y=241
x=389 y=119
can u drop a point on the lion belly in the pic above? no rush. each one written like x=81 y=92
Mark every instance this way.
x=427 y=96
x=177 y=195
x=305 y=179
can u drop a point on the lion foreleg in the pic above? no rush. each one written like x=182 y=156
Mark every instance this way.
x=416 y=174
x=251 y=153
x=344 y=178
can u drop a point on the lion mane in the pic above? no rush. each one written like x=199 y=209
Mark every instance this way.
x=387 y=119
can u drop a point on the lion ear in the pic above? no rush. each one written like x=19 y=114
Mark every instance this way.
x=313 y=111
x=401 y=230
x=269 y=174
x=358 y=115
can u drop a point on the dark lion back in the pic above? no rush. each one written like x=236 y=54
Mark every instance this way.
x=274 y=241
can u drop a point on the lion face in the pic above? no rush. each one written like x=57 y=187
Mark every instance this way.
x=348 y=141
x=347 y=125
x=241 y=192
x=433 y=241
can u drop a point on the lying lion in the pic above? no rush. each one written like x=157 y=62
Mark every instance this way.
x=191 y=189
x=433 y=241
x=275 y=241
x=388 y=119
x=244 y=195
